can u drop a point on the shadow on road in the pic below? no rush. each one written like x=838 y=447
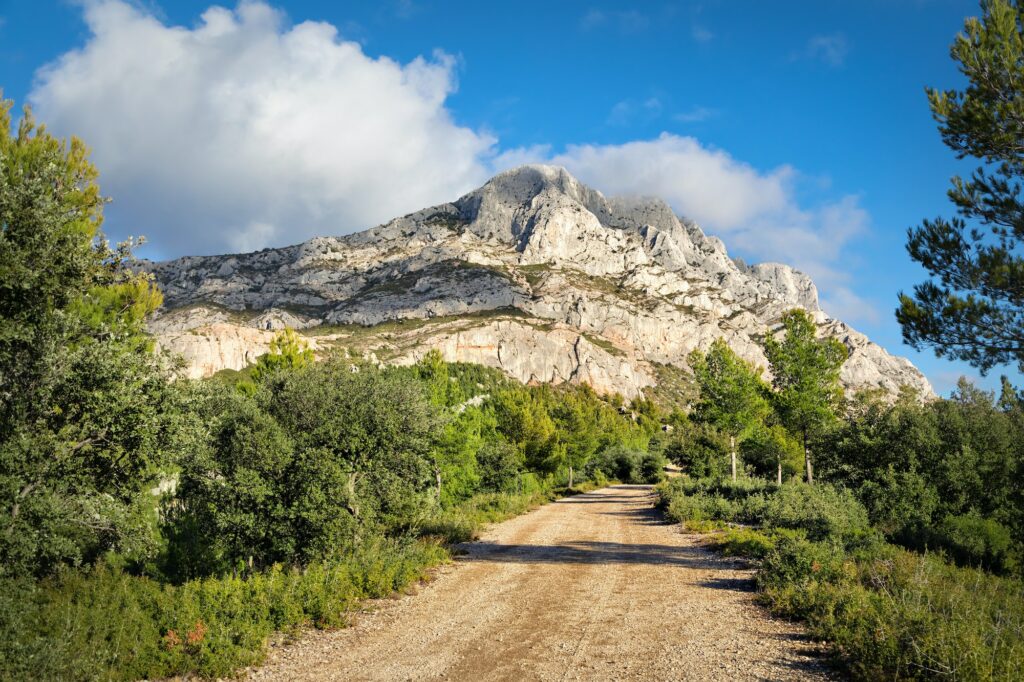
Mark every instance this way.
x=634 y=507
x=593 y=552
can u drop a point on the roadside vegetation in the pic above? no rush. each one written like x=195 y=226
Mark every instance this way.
x=154 y=526
x=907 y=551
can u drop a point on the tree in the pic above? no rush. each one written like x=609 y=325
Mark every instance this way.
x=973 y=308
x=377 y=426
x=805 y=374
x=577 y=436
x=287 y=351
x=87 y=416
x=731 y=393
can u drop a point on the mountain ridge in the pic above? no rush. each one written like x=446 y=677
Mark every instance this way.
x=534 y=273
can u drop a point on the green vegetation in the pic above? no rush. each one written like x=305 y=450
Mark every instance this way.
x=153 y=527
x=973 y=309
x=889 y=613
x=805 y=373
x=732 y=393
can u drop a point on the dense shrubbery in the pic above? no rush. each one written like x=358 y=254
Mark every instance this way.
x=105 y=623
x=626 y=465
x=889 y=612
x=939 y=475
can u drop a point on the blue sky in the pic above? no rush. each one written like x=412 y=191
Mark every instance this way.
x=797 y=131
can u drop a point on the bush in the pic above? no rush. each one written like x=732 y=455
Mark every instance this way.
x=891 y=614
x=971 y=540
x=898 y=615
x=652 y=468
x=463 y=522
x=617 y=464
x=821 y=510
x=499 y=468
x=106 y=624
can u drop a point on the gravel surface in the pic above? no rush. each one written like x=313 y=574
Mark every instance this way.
x=592 y=587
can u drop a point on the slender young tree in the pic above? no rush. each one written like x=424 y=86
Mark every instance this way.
x=732 y=394
x=972 y=308
x=805 y=375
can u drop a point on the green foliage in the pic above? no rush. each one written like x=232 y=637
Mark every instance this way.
x=822 y=511
x=732 y=394
x=108 y=624
x=771 y=451
x=626 y=465
x=700 y=449
x=973 y=308
x=972 y=540
x=890 y=614
x=652 y=468
x=501 y=467
x=896 y=615
x=287 y=352
x=914 y=464
x=87 y=418
x=805 y=373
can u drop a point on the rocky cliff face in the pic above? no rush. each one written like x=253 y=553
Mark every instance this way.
x=533 y=273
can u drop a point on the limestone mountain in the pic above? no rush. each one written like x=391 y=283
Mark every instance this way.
x=533 y=273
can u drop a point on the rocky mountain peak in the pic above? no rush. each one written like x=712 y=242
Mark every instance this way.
x=533 y=272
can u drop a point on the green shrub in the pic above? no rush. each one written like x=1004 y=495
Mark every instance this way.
x=106 y=624
x=744 y=542
x=972 y=540
x=821 y=510
x=652 y=468
x=898 y=615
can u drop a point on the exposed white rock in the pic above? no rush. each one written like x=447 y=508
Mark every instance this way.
x=572 y=265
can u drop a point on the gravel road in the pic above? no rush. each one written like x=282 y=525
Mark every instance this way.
x=592 y=587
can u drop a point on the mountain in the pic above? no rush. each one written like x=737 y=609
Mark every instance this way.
x=534 y=273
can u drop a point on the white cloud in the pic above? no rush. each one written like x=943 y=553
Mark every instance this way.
x=830 y=49
x=757 y=213
x=245 y=132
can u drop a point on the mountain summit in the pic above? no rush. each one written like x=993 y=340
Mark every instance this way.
x=534 y=273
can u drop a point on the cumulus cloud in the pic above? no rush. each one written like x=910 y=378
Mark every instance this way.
x=244 y=131
x=757 y=213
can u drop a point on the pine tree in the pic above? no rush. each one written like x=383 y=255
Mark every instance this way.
x=973 y=307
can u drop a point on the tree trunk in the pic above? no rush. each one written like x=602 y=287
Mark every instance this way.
x=807 y=461
x=732 y=452
x=353 y=505
x=778 y=472
x=570 y=477
x=437 y=477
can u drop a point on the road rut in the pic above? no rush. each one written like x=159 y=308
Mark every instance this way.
x=592 y=587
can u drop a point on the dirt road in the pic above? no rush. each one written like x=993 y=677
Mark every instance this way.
x=593 y=587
